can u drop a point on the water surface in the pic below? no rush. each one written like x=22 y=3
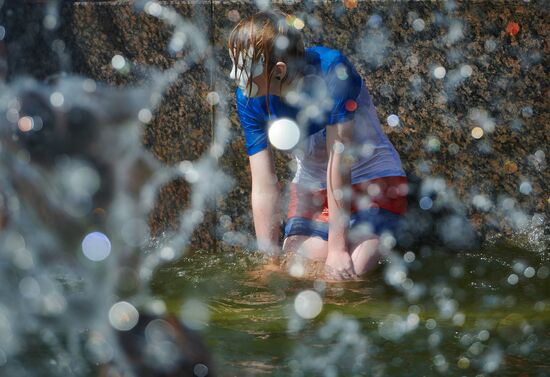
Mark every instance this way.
x=473 y=313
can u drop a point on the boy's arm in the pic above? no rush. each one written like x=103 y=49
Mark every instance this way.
x=340 y=161
x=265 y=201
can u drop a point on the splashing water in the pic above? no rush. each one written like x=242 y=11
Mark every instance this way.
x=78 y=260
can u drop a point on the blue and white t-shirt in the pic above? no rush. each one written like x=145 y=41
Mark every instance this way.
x=331 y=91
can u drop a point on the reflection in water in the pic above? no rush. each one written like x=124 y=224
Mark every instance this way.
x=467 y=319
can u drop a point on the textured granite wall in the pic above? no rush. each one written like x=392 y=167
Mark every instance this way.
x=483 y=127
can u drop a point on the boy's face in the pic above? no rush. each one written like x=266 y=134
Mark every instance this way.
x=243 y=68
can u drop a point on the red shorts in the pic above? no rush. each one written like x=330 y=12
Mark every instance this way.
x=389 y=193
x=377 y=204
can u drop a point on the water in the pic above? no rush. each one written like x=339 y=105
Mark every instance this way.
x=454 y=314
x=78 y=265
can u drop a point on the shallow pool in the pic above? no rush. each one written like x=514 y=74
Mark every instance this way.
x=474 y=314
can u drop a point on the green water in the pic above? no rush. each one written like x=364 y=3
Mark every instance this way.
x=457 y=314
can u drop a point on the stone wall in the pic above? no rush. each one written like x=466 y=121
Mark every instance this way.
x=482 y=124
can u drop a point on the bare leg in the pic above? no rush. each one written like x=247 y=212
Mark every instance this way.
x=365 y=255
x=313 y=248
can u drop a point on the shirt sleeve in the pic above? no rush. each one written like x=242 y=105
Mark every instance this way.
x=344 y=84
x=253 y=123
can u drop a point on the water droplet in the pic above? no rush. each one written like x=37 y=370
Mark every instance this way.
x=543 y=272
x=350 y=4
x=483 y=335
x=341 y=72
x=425 y=203
x=200 y=370
x=525 y=188
x=50 y=22
x=529 y=272
x=418 y=24
x=281 y=42
x=477 y=132
x=490 y=45
x=195 y=314
x=298 y=23
x=89 y=85
x=96 y=246
x=98 y=348
x=233 y=15
x=466 y=70
x=409 y=257
x=284 y=134
x=25 y=124
x=351 y=105
x=393 y=120
x=308 y=304
x=57 y=99
x=145 y=116
x=123 y=316
x=118 y=62
x=512 y=279
x=439 y=72
x=463 y=363
x=512 y=28
x=338 y=147
x=375 y=21
x=433 y=144
x=263 y=4
x=153 y=8
x=527 y=112
x=29 y=287
x=167 y=253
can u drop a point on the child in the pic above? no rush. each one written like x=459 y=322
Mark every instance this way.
x=349 y=186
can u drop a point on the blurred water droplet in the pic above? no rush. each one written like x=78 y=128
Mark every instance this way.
x=418 y=24
x=153 y=8
x=527 y=112
x=477 y=132
x=200 y=370
x=145 y=116
x=439 y=72
x=308 y=304
x=195 y=314
x=512 y=279
x=529 y=272
x=96 y=246
x=118 y=62
x=213 y=98
x=490 y=45
x=123 y=316
x=409 y=257
x=525 y=188
x=393 y=120
x=425 y=203
x=463 y=363
x=466 y=70
x=57 y=99
x=25 y=124
x=29 y=288
x=284 y=134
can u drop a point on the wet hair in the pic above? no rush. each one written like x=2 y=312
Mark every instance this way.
x=271 y=34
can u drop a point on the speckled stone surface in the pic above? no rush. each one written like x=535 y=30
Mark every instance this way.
x=493 y=80
x=505 y=93
x=181 y=126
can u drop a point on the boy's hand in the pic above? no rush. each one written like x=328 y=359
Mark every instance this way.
x=339 y=266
